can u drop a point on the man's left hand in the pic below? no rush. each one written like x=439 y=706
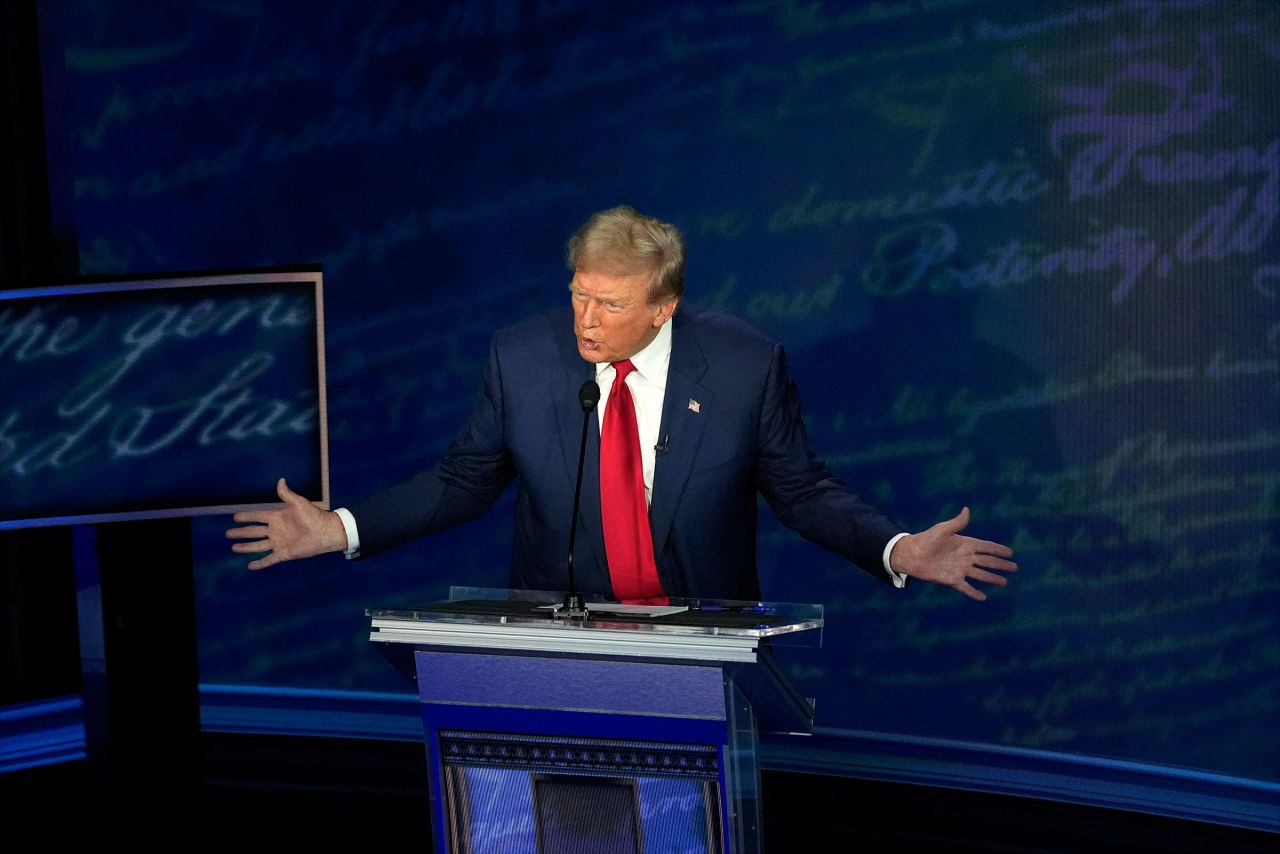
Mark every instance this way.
x=942 y=555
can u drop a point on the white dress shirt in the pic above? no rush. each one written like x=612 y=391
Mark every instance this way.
x=648 y=385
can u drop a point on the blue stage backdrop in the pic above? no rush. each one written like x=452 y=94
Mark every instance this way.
x=1023 y=256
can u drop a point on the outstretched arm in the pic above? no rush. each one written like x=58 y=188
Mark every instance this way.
x=942 y=555
x=297 y=530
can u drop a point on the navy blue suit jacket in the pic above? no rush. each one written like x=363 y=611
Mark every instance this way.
x=745 y=437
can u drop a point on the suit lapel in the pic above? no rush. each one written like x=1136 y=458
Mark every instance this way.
x=686 y=407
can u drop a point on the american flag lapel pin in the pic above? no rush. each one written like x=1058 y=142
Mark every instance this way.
x=694 y=406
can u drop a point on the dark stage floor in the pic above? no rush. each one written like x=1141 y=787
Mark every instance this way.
x=279 y=793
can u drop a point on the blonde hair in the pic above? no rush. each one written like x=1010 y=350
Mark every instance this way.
x=621 y=241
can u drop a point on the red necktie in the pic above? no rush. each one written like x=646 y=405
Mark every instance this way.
x=628 y=543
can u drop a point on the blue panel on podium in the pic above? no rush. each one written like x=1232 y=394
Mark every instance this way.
x=587 y=685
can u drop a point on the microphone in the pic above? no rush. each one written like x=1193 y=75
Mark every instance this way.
x=588 y=397
x=663 y=446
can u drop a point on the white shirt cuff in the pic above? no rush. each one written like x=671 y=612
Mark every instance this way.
x=353 y=535
x=899 y=580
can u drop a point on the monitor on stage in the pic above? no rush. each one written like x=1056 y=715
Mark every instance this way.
x=175 y=395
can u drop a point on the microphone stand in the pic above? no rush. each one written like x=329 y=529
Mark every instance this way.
x=575 y=608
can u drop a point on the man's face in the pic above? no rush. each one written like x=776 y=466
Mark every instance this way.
x=612 y=316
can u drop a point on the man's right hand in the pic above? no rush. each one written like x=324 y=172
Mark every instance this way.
x=299 y=529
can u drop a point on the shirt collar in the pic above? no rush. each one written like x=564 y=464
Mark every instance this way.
x=650 y=361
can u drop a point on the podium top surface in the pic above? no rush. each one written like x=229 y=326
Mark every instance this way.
x=685 y=628
x=479 y=605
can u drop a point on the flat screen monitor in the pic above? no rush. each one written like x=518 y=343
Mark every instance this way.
x=504 y=792
x=174 y=395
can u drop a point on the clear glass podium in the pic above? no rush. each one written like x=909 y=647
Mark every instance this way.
x=632 y=729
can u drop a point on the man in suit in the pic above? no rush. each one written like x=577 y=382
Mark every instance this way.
x=705 y=417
